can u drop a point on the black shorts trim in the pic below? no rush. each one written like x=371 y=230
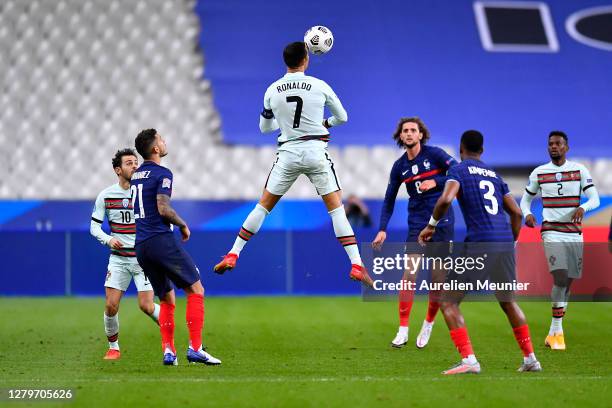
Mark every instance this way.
x=333 y=171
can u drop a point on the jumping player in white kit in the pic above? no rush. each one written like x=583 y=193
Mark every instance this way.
x=562 y=184
x=115 y=204
x=295 y=104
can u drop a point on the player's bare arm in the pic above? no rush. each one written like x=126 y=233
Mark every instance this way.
x=167 y=212
x=451 y=189
x=515 y=213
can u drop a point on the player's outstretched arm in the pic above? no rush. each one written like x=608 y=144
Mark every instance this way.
x=388 y=206
x=339 y=115
x=515 y=213
x=166 y=211
x=451 y=189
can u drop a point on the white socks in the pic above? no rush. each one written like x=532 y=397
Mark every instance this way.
x=471 y=359
x=155 y=314
x=531 y=358
x=249 y=228
x=111 y=327
x=556 y=326
x=344 y=233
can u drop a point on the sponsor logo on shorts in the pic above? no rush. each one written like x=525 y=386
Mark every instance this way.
x=108 y=275
x=552 y=260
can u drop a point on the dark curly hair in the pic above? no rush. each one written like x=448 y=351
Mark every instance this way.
x=120 y=154
x=422 y=128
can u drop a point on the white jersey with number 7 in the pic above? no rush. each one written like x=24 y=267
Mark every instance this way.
x=296 y=103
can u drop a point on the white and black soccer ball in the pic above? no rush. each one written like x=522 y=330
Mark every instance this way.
x=319 y=40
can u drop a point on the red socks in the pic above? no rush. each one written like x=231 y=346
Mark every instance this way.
x=195 y=319
x=523 y=339
x=166 y=325
x=406 y=298
x=462 y=341
x=433 y=306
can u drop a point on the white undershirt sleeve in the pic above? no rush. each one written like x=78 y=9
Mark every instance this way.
x=97 y=217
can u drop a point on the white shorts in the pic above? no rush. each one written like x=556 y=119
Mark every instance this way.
x=120 y=274
x=315 y=163
x=564 y=253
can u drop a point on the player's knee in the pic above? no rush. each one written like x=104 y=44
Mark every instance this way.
x=197 y=289
x=448 y=307
x=560 y=278
x=146 y=305
x=111 y=308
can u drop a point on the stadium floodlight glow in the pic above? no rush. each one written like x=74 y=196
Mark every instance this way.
x=515 y=26
x=576 y=22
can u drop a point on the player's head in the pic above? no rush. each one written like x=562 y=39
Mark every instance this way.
x=472 y=143
x=125 y=163
x=150 y=144
x=410 y=132
x=295 y=56
x=557 y=145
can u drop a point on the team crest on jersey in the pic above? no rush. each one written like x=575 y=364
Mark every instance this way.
x=415 y=168
x=427 y=164
x=558 y=176
x=125 y=203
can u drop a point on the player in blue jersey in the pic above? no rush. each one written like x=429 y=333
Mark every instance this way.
x=483 y=197
x=423 y=170
x=162 y=258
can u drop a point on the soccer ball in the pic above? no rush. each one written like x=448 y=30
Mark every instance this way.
x=319 y=40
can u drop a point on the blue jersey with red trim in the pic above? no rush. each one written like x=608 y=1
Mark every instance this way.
x=481 y=198
x=431 y=163
x=149 y=180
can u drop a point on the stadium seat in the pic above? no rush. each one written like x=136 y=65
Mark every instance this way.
x=82 y=77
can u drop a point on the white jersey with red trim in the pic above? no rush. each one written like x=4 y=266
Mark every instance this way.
x=295 y=103
x=562 y=188
x=115 y=203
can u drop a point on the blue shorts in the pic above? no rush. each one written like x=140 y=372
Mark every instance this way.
x=165 y=262
x=444 y=233
x=497 y=260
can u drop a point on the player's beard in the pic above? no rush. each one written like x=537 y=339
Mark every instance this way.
x=410 y=146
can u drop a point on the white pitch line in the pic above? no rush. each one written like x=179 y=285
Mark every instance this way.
x=523 y=377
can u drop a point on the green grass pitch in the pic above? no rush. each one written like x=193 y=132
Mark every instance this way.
x=300 y=351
